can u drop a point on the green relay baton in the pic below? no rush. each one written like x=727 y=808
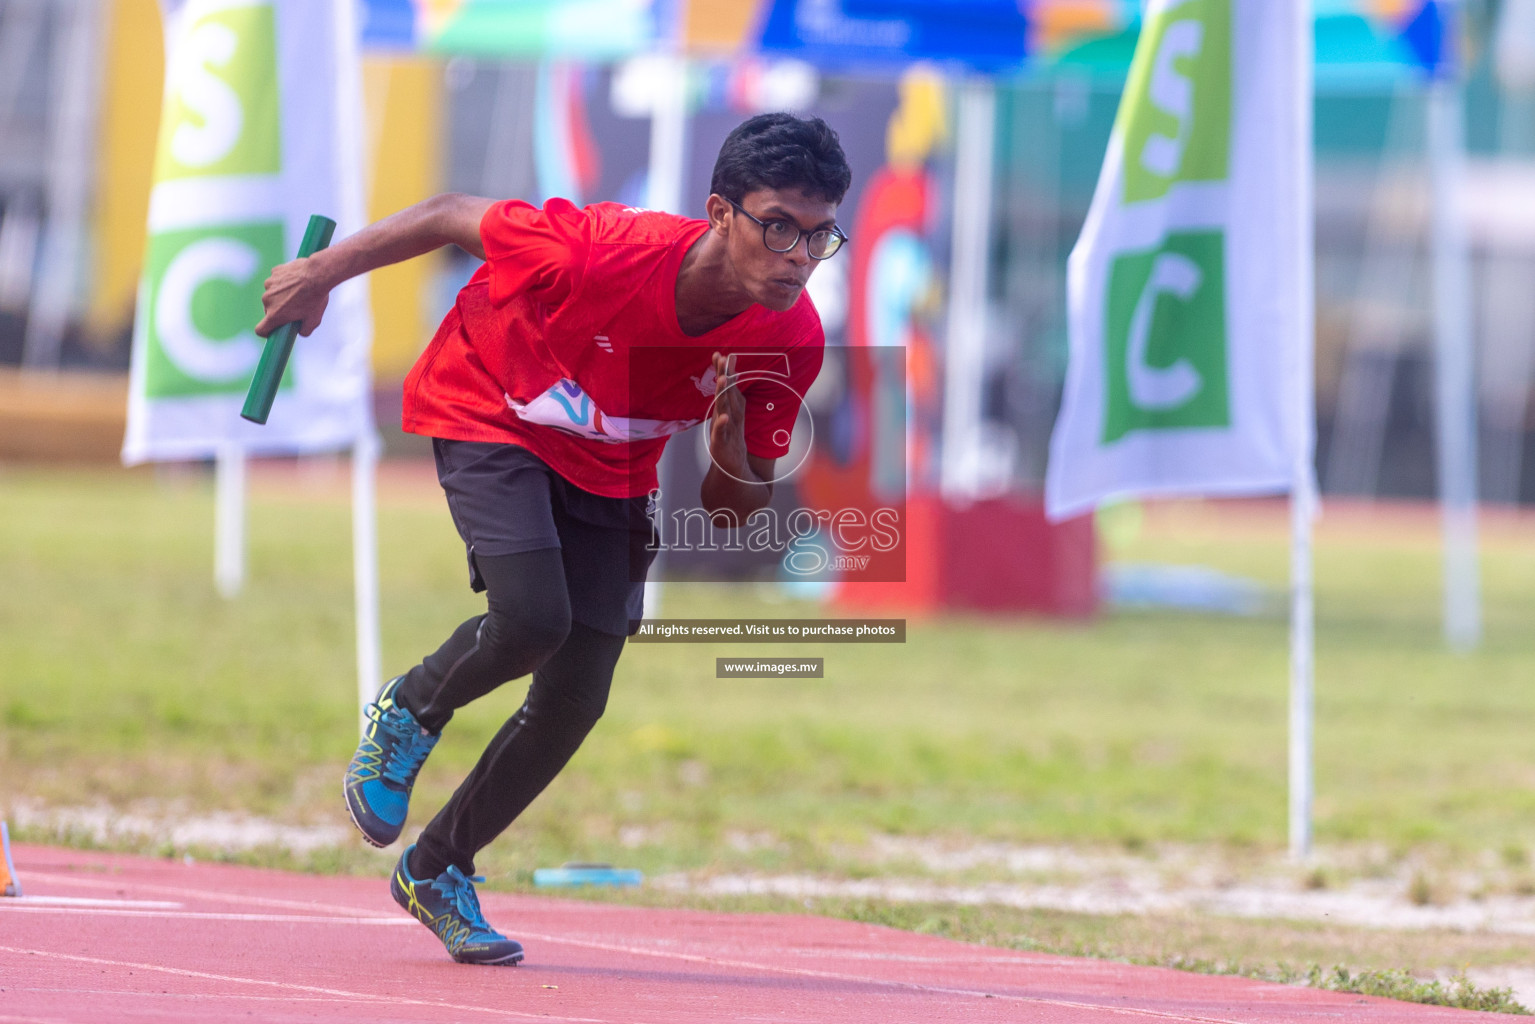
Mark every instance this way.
x=279 y=346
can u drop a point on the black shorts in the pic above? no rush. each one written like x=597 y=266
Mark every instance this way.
x=505 y=500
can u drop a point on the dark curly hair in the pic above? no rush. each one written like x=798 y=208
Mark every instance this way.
x=781 y=151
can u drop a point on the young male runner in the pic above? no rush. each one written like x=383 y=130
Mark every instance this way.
x=587 y=339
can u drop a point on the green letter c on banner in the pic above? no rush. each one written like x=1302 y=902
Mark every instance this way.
x=204 y=296
x=1165 y=352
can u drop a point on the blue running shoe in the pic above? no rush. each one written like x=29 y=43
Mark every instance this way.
x=382 y=772
x=448 y=906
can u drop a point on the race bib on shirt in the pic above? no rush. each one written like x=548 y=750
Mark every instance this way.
x=566 y=407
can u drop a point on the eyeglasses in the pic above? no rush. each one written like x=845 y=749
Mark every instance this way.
x=783 y=235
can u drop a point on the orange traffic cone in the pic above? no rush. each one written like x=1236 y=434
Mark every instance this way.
x=10 y=885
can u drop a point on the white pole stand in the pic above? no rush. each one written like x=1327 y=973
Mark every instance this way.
x=365 y=565
x=1302 y=387
x=1455 y=381
x=965 y=345
x=1302 y=665
x=229 y=519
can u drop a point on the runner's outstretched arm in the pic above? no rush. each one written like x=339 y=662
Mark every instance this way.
x=738 y=483
x=300 y=290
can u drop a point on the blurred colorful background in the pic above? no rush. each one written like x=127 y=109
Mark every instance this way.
x=1150 y=723
x=534 y=99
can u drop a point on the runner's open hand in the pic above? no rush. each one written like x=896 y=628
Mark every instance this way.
x=727 y=420
x=295 y=291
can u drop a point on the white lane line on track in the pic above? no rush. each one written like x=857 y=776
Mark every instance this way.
x=370 y=997
x=954 y=961
x=6 y=907
x=207 y=894
x=977 y=993
x=88 y=901
x=248 y=997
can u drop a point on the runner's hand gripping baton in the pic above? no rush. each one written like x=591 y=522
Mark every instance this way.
x=274 y=358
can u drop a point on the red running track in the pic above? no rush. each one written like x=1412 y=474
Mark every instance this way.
x=109 y=938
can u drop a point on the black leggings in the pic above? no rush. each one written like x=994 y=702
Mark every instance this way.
x=526 y=628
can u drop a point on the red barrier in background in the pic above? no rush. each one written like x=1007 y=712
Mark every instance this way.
x=998 y=555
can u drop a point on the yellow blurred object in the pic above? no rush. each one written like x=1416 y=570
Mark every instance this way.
x=720 y=26
x=1054 y=22
x=918 y=125
x=1394 y=10
x=403 y=96
x=130 y=118
x=437 y=13
x=62 y=417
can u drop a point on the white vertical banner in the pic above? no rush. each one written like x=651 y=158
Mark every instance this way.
x=1297 y=63
x=1185 y=326
x=1455 y=398
x=261 y=126
x=258 y=130
x=1191 y=301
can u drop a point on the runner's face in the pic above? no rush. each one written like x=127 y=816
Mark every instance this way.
x=776 y=279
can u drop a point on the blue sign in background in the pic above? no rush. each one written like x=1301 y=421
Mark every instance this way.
x=984 y=35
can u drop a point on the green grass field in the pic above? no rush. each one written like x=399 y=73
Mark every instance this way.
x=126 y=681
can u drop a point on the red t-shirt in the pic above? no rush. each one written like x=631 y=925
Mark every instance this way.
x=566 y=343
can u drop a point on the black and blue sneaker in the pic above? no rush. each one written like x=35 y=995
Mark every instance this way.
x=448 y=906
x=382 y=772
